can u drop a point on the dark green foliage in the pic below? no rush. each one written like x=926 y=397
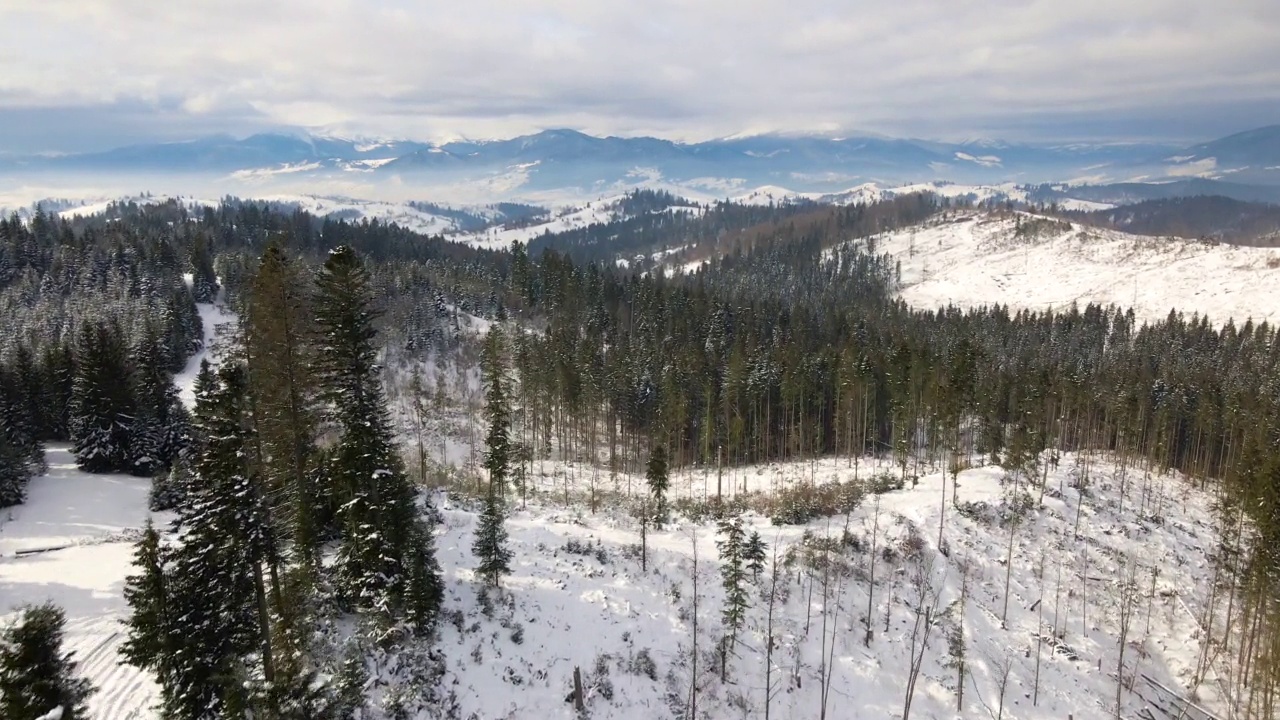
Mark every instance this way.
x=754 y=554
x=385 y=562
x=733 y=575
x=490 y=545
x=150 y=626
x=103 y=407
x=656 y=476
x=36 y=676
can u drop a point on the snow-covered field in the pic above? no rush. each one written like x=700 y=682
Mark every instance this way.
x=977 y=259
x=578 y=597
x=75 y=532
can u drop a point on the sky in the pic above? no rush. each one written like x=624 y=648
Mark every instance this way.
x=79 y=75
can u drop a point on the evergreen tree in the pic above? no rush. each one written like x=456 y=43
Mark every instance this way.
x=656 y=475
x=733 y=576
x=158 y=427
x=102 y=403
x=150 y=629
x=754 y=552
x=36 y=676
x=279 y=354
x=223 y=539
x=20 y=448
x=490 y=545
x=385 y=561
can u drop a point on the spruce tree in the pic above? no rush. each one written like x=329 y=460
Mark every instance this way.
x=754 y=552
x=222 y=543
x=36 y=676
x=150 y=630
x=656 y=475
x=102 y=404
x=279 y=353
x=158 y=427
x=733 y=576
x=385 y=561
x=490 y=545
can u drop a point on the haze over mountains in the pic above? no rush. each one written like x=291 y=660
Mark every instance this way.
x=1245 y=165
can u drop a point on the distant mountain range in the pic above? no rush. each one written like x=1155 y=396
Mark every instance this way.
x=556 y=159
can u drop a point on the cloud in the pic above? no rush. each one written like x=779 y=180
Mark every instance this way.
x=678 y=69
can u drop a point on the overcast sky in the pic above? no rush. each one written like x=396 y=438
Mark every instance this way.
x=87 y=74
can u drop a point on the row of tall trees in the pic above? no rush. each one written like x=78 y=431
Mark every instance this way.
x=292 y=448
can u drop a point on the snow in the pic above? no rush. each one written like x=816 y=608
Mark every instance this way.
x=566 y=218
x=976 y=260
x=353 y=209
x=600 y=610
x=76 y=532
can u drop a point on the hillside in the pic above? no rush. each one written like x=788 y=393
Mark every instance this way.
x=1023 y=261
x=578 y=596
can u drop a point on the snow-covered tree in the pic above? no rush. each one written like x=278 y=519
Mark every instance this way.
x=490 y=546
x=102 y=403
x=36 y=676
x=385 y=562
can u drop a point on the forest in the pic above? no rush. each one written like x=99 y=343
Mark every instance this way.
x=289 y=481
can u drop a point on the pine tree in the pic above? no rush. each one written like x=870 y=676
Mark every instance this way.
x=656 y=474
x=385 y=561
x=497 y=458
x=490 y=545
x=754 y=552
x=151 y=630
x=20 y=449
x=36 y=677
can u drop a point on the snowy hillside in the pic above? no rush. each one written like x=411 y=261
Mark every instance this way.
x=579 y=598
x=976 y=259
x=566 y=218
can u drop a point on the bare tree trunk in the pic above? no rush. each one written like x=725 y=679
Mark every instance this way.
x=693 y=680
x=871 y=592
x=1035 y=697
x=768 y=647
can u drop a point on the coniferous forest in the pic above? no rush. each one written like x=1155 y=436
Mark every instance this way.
x=287 y=478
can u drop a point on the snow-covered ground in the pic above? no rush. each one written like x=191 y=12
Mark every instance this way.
x=71 y=543
x=563 y=219
x=577 y=597
x=76 y=532
x=351 y=209
x=978 y=259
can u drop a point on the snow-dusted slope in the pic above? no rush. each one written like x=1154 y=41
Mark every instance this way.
x=402 y=214
x=980 y=259
x=578 y=597
x=565 y=218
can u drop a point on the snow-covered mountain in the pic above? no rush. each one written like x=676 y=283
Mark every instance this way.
x=562 y=159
